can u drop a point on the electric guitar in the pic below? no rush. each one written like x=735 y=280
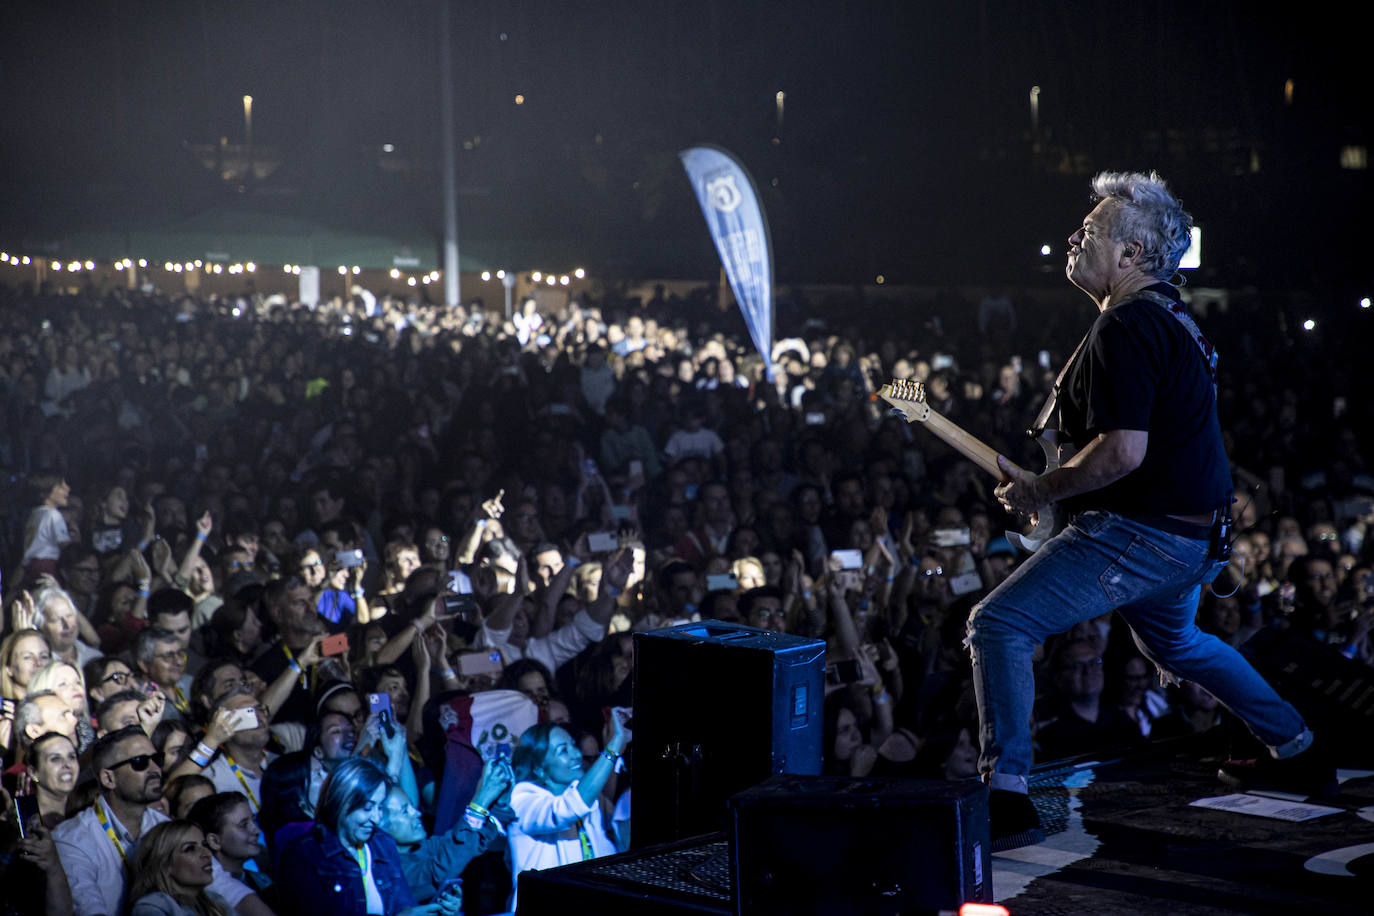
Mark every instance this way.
x=909 y=397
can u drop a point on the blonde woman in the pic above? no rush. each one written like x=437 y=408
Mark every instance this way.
x=171 y=873
x=65 y=679
x=22 y=653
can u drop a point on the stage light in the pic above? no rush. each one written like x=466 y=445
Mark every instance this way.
x=983 y=909
x=579 y=273
x=395 y=274
x=388 y=148
x=251 y=267
x=286 y=268
x=564 y=280
x=411 y=281
x=167 y=266
x=142 y=262
x=199 y=263
x=550 y=280
x=881 y=279
x=1045 y=250
x=519 y=99
x=26 y=261
x=343 y=271
x=536 y=276
x=486 y=276
x=1364 y=303
x=176 y=268
x=56 y=265
x=296 y=269
x=1308 y=325
x=356 y=269
x=500 y=275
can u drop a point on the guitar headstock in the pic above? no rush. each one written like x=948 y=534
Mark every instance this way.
x=908 y=396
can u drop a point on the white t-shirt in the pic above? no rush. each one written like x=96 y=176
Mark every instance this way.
x=545 y=831
x=49 y=534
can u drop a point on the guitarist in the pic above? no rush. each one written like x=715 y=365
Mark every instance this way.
x=1148 y=495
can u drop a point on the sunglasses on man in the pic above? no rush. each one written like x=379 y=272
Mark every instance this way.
x=139 y=762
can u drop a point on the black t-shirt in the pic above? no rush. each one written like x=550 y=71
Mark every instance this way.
x=1141 y=369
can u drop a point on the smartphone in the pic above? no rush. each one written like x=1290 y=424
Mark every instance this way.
x=18 y=818
x=459 y=605
x=950 y=537
x=471 y=663
x=602 y=542
x=815 y=418
x=334 y=645
x=849 y=559
x=621 y=513
x=845 y=671
x=349 y=558
x=242 y=720
x=452 y=887
x=724 y=582
x=966 y=584
x=379 y=705
x=1042 y=359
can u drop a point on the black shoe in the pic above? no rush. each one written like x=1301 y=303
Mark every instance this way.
x=1014 y=820
x=1311 y=772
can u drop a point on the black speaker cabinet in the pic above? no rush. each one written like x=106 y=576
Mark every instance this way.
x=688 y=877
x=718 y=708
x=833 y=846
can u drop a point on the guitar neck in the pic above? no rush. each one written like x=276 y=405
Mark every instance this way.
x=969 y=446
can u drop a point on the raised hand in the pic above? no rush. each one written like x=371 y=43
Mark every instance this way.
x=493 y=507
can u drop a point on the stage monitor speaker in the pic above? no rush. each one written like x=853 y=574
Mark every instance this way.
x=690 y=876
x=834 y=846
x=718 y=708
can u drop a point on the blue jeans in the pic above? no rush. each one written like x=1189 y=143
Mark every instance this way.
x=1153 y=579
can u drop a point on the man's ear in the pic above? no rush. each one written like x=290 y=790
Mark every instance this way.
x=33 y=730
x=212 y=840
x=106 y=778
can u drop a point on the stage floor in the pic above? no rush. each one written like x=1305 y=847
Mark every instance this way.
x=1125 y=838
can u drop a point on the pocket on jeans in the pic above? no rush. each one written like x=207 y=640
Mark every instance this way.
x=1140 y=569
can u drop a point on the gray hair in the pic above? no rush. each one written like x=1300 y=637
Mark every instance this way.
x=46 y=596
x=1149 y=214
x=28 y=713
x=145 y=643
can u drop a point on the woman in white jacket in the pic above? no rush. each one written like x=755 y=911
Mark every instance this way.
x=558 y=814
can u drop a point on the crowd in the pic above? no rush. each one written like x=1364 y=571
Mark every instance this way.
x=332 y=609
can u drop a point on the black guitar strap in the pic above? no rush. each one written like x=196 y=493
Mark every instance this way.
x=1042 y=419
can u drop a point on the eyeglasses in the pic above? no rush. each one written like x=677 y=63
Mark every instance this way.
x=171 y=655
x=314 y=563
x=119 y=677
x=139 y=762
x=937 y=571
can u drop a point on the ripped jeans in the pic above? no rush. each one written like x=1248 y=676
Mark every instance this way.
x=1100 y=562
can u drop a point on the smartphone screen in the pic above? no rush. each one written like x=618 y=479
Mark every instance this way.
x=334 y=645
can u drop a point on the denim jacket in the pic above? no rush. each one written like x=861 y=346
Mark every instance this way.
x=318 y=876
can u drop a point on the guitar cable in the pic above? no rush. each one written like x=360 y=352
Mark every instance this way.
x=1254 y=488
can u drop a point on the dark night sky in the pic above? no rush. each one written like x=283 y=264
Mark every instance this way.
x=905 y=149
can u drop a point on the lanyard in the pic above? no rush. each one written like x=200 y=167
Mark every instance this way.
x=291 y=659
x=585 y=840
x=362 y=855
x=109 y=832
x=179 y=701
x=248 y=790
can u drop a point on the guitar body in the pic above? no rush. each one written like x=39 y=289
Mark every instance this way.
x=910 y=398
